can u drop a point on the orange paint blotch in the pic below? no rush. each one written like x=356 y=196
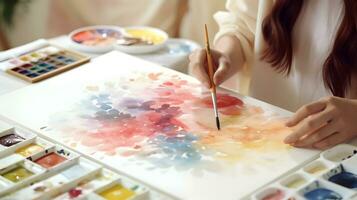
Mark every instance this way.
x=231 y=110
x=154 y=76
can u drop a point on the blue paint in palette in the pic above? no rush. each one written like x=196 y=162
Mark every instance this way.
x=322 y=194
x=33 y=75
x=43 y=64
x=345 y=179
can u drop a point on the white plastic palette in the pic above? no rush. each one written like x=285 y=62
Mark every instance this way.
x=75 y=177
x=320 y=177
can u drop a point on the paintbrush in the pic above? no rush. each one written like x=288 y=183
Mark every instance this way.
x=210 y=74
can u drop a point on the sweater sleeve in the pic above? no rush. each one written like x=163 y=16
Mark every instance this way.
x=239 y=19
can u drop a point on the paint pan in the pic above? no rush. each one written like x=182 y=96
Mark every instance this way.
x=316 y=167
x=324 y=190
x=61 y=182
x=271 y=193
x=95 y=39
x=54 y=157
x=20 y=171
x=36 y=146
x=294 y=181
x=10 y=138
x=342 y=177
x=339 y=153
x=121 y=190
x=84 y=188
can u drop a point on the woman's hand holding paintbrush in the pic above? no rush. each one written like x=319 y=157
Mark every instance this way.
x=225 y=63
x=203 y=65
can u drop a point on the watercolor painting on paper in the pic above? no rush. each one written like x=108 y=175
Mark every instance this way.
x=167 y=121
x=148 y=121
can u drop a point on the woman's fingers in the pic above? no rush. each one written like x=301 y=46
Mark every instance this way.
x=222 y=71
x=319 y=135
x=305 y=111
x=310 y=125
x=332 y=140
x=197 y=66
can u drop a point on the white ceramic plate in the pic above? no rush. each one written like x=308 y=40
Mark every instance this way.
x=103 y=32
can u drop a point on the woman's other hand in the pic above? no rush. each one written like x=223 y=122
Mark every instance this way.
x=324 y=123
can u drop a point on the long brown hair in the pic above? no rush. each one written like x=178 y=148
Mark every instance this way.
x=277 y=30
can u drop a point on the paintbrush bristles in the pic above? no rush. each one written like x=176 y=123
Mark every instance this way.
x=218 y=124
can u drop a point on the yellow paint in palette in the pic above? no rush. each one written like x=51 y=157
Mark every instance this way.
x=296 y=183
x=317 y=169
x=146 y=35
x=117 y=192
x=17 y=174
x=29 y=150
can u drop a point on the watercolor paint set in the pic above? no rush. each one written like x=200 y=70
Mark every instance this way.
x=32 y=167
x=332 y=176
x=39 y=60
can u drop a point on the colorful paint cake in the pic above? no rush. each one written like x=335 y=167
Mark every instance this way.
x=117 y=192
x=296 y=183
x=345 y=179
x=317 y=169
x=278 y=195
x=50 y=160
x=29 y=150
x=17 y=174
x=11 y=139
x=322 y=193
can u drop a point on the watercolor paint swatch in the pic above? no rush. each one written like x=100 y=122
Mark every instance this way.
x=29 y=150
x=50 y=160
x=17 y=174
x=148 y=121
x=117 y=192
x=11 y=139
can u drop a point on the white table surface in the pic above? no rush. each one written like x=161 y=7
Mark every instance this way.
x=168 y=57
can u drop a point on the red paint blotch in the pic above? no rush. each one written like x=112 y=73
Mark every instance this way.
x=223 y=100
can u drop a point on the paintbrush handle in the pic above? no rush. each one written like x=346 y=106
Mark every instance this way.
x=210 y=69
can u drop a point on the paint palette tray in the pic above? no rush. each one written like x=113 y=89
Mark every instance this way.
x=41 y=61
x=332 y=176
x=35 y=168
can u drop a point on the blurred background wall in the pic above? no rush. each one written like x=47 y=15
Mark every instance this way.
x=33 y=19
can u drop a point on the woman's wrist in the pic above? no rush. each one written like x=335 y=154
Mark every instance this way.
x=230 y=46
